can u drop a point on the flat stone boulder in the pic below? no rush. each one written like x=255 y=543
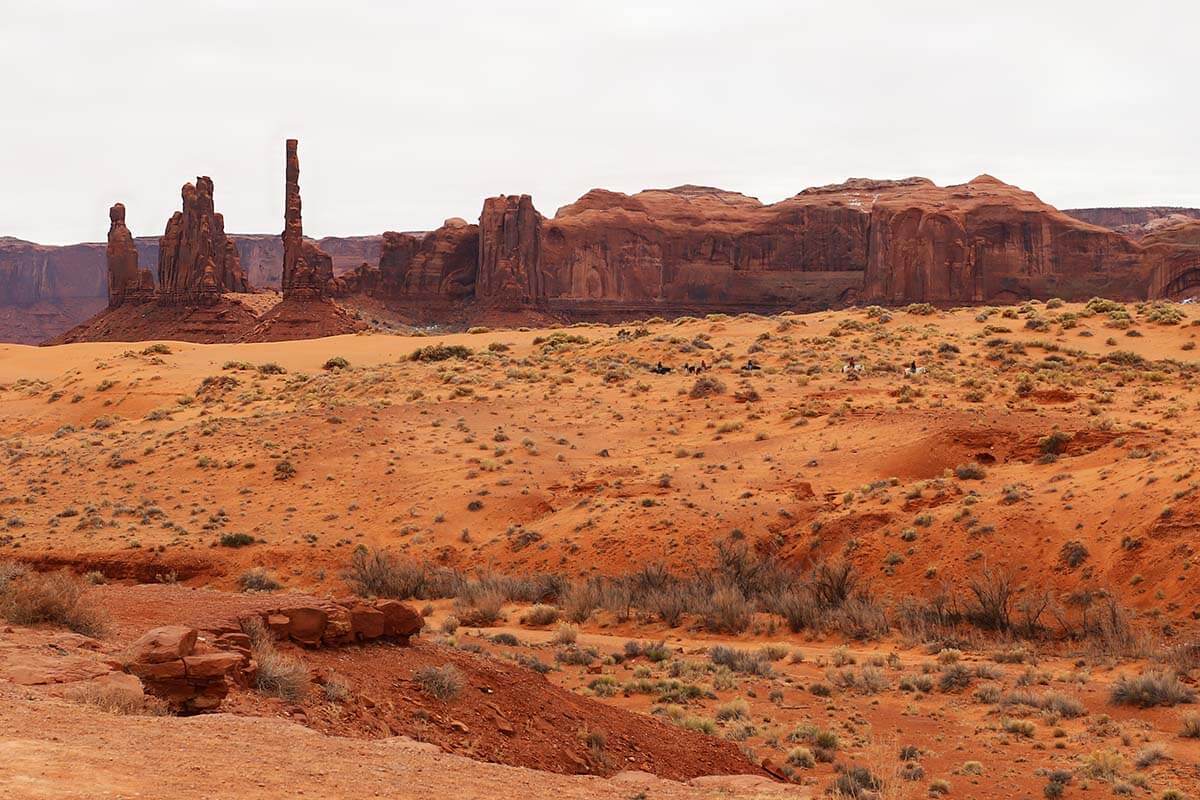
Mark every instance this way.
x=211 y=665
x=160 y=671
x=400 y=619
x=168 y=643
x=119 y=682
x=367 y=623
x=306 y=625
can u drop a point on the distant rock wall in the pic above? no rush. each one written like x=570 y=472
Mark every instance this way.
x=690 y=249
x=1132 y=220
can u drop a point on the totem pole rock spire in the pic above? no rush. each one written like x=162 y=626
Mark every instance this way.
x=307 y=270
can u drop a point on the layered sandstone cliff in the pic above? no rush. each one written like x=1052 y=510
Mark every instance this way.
x=690 y=249
x=696 y=248
x=987 y=241
x=1134 y=222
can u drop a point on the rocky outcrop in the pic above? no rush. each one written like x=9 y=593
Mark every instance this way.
x=121 y=258
x=196 y=261
x=510 y=236
x=696 y=248
x=987 y=241
x=1176 y=251
x=437 y=266
x=689 y=249
x=307 y=270
x=192 y=669
x=173 y=668
x=337 y=623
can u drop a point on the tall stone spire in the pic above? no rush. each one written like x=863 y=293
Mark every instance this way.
x=307 y=270
x=121 y=256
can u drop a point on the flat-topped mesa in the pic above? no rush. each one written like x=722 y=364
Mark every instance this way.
x=121 y=257
x=307 y=269
x=510 y=237
x=195 y=258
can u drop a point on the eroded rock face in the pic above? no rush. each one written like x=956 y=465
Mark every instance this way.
x=510 y=236
x=195 y=258
x=307 y=269
x=987 y=241
x=121 y=257
x=697 y=248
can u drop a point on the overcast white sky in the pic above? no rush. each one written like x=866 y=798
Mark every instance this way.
x=408 y=113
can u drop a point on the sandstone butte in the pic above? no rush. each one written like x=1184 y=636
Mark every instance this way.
x=687 y=250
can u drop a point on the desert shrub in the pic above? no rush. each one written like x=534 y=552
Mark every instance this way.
x=1155 y=688
x=116 y=700
x=335 y=689
x=279 y=674
x=734 y=709
x=440 y=352
x=271 y=368
x=743 y=661
x=801 y=757
x=376 y=573
x=1055 y=443
x=479 y=608
x=1104 y=764
x=993 y=593
x=258 y=580
x=728 y=611
x=284 y=470
x=540 y=615
x=656 y=652
x=1073 y=553
x=566 y=634
x=970 y=472
x=706 y=386
x=798 y=608
x=856 y=781
x=1150 y=755
x=861 y=617
x=955 y=677
x=337 y=362
x=55 y=598
x=576 y=656
x=1063 y=705
x=833 y=583
x=443 y=683
x=581 y=600
x=236 y=539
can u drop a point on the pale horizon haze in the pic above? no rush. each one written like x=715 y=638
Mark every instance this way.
x=409 y=113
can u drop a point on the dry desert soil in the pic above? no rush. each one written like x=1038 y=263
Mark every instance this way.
x=877 y=553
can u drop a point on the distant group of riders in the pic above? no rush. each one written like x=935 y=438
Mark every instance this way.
x=852 y=366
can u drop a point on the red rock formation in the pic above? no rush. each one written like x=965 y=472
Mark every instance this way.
x=441 y=264
x=307 y=270
x=195 y=257
x=171 y=667
x=121 y=257
x=1134 y=222
x=510 y=234
x=694 y=248
x=987 y=241
x=1176 y=251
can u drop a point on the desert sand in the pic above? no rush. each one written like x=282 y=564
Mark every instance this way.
x=928 y=451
